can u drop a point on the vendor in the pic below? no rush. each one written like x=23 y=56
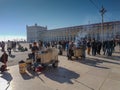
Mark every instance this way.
x=40 y=44
x=70 y=52
x=34 y=49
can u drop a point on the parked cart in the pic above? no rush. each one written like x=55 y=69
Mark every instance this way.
x=50 y=56
x=45 y=58
x=77 y=53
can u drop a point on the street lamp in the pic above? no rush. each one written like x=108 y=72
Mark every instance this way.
x=102 y=11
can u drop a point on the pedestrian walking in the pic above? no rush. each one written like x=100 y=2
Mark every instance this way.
x=94 y=47
x=88 y=47
x=34 y=50
x=104 y=46
x=9 y=47
x=99 y=45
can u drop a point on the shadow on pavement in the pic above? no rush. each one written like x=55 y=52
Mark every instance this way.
x=27 y=76
x=12 y=56
x=7 y=76
x=30 y=74
x=118 y=52
x=93 y=62
x=60 y=74
x=113 y=57
x=96 y=62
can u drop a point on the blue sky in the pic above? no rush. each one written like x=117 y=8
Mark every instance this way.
x=16 y=14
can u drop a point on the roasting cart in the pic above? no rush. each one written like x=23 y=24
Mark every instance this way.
x=79 y=52
x=76 y=52
x=44 y=59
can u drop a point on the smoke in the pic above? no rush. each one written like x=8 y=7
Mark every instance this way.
x=79 y=38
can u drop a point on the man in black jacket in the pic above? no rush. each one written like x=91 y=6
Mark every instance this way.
x=94 y=47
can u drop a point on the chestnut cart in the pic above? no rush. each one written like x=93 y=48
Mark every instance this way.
x=79 y=52
x=44 y=59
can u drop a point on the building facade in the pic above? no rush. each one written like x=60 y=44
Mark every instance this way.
x=107 y=30
x=34 y=32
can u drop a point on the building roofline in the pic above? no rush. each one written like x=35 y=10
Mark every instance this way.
x=85 y=25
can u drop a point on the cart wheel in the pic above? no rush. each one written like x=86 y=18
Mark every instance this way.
x=83 y=58
x=28 y=67
x=44 y=65
x=69 y=57
x=33 y=68
x=55 y=65
x=76 y=58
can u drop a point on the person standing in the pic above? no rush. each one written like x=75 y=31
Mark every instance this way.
x=88 y=47
x=40 y=45
x=34 y=50
x=70 y=52
x=9 y=47
x=94 y=47
x=3 y=46
x=4 y=59
x=99 y=46
x=104 y=46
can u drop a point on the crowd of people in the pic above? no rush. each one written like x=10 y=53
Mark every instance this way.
x=92 y=47
x=97 y=47
x=10 y=45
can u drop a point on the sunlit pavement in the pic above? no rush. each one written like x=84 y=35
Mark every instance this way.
x=94 y=73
